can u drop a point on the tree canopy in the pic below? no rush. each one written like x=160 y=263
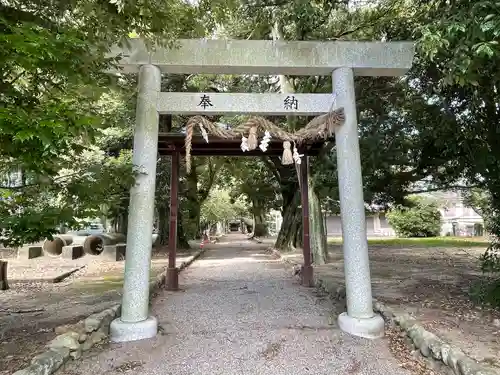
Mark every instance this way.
x=66 y=125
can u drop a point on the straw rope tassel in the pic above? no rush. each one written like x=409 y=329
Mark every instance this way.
x=187 y=145
x=287 y=158
x=252 y=138
x=317 y=128
x=333 y=117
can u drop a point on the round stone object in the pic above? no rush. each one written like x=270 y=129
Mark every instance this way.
x=120 y=331
x=370 y=328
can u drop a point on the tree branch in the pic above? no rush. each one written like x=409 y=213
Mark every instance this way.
x=451 y=187
x=12 y=14
x=212 y=172
x=360 y=27
x=46 y=182
x=17 y=77
x=319 y=82
x=265 y=5
x=272 y=167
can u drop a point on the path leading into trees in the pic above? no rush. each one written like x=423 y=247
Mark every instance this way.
x=241 y=312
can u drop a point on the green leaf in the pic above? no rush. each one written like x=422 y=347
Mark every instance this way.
x=489 y=25
x=484 y=49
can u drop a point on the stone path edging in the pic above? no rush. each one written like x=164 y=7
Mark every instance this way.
x=435 y=350
x=74 y=339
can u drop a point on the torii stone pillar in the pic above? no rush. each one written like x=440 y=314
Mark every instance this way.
x=135 y=322
x=360 y=319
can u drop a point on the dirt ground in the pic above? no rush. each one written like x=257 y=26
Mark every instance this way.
x=432 y=285
x=33 y=307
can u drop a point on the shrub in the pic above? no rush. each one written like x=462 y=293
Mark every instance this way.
x=487 y=290
x=419 y=218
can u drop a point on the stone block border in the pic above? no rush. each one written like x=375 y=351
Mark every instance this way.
x=71 y=342
x=438 y=353
x=74 y=339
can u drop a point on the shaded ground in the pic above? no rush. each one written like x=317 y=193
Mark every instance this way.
x=32 y=308
x=240 y=312
x=432 y=284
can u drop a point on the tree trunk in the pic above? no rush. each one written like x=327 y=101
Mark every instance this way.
x=298 y=238
x=182 y=240
x=317 y=236
x=292 y=217
x=193 y=229
x=259 y=227
x=121 y=224
x=164 y=229
x=193 y=205
x=163 y=224
x=3 y=276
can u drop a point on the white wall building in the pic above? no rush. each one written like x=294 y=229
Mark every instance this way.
x=457 y=219
x=376 y=226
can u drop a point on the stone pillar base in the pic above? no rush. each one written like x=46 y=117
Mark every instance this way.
x=120 y=331
x=371 y=328
x=172 y=279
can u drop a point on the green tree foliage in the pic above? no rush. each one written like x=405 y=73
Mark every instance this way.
x=480 y=201
x=105 y=22
x=220 y=207
x=455 y=76
x=419 y=218
x=487 y=290
x=456 y=70
x=56 y=102
x=252 y=180
x=49 y=116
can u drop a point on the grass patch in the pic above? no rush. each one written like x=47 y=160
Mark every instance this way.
x=112 y=278
x=424 y=242
x=96 y=287
x=106 y=283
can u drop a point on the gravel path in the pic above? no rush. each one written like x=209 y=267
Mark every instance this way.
x=242 y=313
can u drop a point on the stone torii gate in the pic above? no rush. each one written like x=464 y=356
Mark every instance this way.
x=341 y=60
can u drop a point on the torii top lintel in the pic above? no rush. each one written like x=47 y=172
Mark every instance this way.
x=266 y=57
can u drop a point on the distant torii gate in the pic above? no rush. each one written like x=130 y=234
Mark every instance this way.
x=342 y=60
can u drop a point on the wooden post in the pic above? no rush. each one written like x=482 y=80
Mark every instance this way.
x=307 y=270
x=3 y=275
x=172 y=272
